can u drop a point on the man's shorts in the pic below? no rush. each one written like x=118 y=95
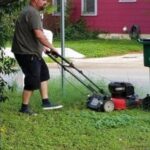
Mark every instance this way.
x=34 y=69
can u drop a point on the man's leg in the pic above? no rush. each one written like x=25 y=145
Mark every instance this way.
x=44 y=90
x=30 y=67
x=47 y=105
x=26 y=96
x=44 y=75
x=44 y=94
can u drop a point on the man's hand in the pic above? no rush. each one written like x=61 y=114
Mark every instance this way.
x=52 y=51
x=46 y=49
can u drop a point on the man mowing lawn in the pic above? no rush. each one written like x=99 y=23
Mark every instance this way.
x=28 y=43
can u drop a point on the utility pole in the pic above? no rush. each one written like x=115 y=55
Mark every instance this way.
x=62 y=41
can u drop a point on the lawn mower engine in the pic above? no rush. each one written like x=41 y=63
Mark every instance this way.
x=123 y=96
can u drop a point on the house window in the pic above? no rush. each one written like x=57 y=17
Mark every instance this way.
x=57 y=5
x=89 y=7
x=126 y=1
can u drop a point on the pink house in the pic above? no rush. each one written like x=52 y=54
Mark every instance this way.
x=106 y=15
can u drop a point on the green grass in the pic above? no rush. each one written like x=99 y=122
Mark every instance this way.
x=103 y=48
x=74 y=127
x=100 y=47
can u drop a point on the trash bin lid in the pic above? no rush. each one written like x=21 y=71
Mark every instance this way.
x=145 y=41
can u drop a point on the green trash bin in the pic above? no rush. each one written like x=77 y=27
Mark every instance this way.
x=146 y=51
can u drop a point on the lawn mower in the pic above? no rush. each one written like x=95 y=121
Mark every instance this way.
x=122 y=95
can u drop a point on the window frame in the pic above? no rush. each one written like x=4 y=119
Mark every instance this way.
x=86 y=13
x=127 y=1
x=54 y=3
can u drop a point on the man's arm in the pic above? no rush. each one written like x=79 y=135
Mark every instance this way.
x=42 y=38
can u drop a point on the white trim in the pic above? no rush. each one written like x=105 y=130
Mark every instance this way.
x=127 y=1
x=88 y=14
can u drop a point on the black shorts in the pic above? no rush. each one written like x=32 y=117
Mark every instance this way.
x=34 y=69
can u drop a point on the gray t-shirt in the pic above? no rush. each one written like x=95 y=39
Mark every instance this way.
x=24 y=41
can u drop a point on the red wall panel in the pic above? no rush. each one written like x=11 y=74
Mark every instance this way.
x=112 y=16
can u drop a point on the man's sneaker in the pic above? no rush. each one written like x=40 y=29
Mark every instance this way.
x=28 y=112
x=49 y=106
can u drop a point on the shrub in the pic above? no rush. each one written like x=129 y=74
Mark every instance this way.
x=79 y=30
x=8 y=11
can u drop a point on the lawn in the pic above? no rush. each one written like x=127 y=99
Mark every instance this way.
x=74 y=127
x=100 y=47
x=103 y=48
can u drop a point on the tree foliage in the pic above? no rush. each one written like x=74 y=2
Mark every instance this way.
x=8 y=13
x=5 y=2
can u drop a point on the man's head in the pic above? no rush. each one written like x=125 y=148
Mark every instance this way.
x=39 y=4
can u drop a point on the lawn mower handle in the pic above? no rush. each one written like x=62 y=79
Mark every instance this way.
x=53 y=57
